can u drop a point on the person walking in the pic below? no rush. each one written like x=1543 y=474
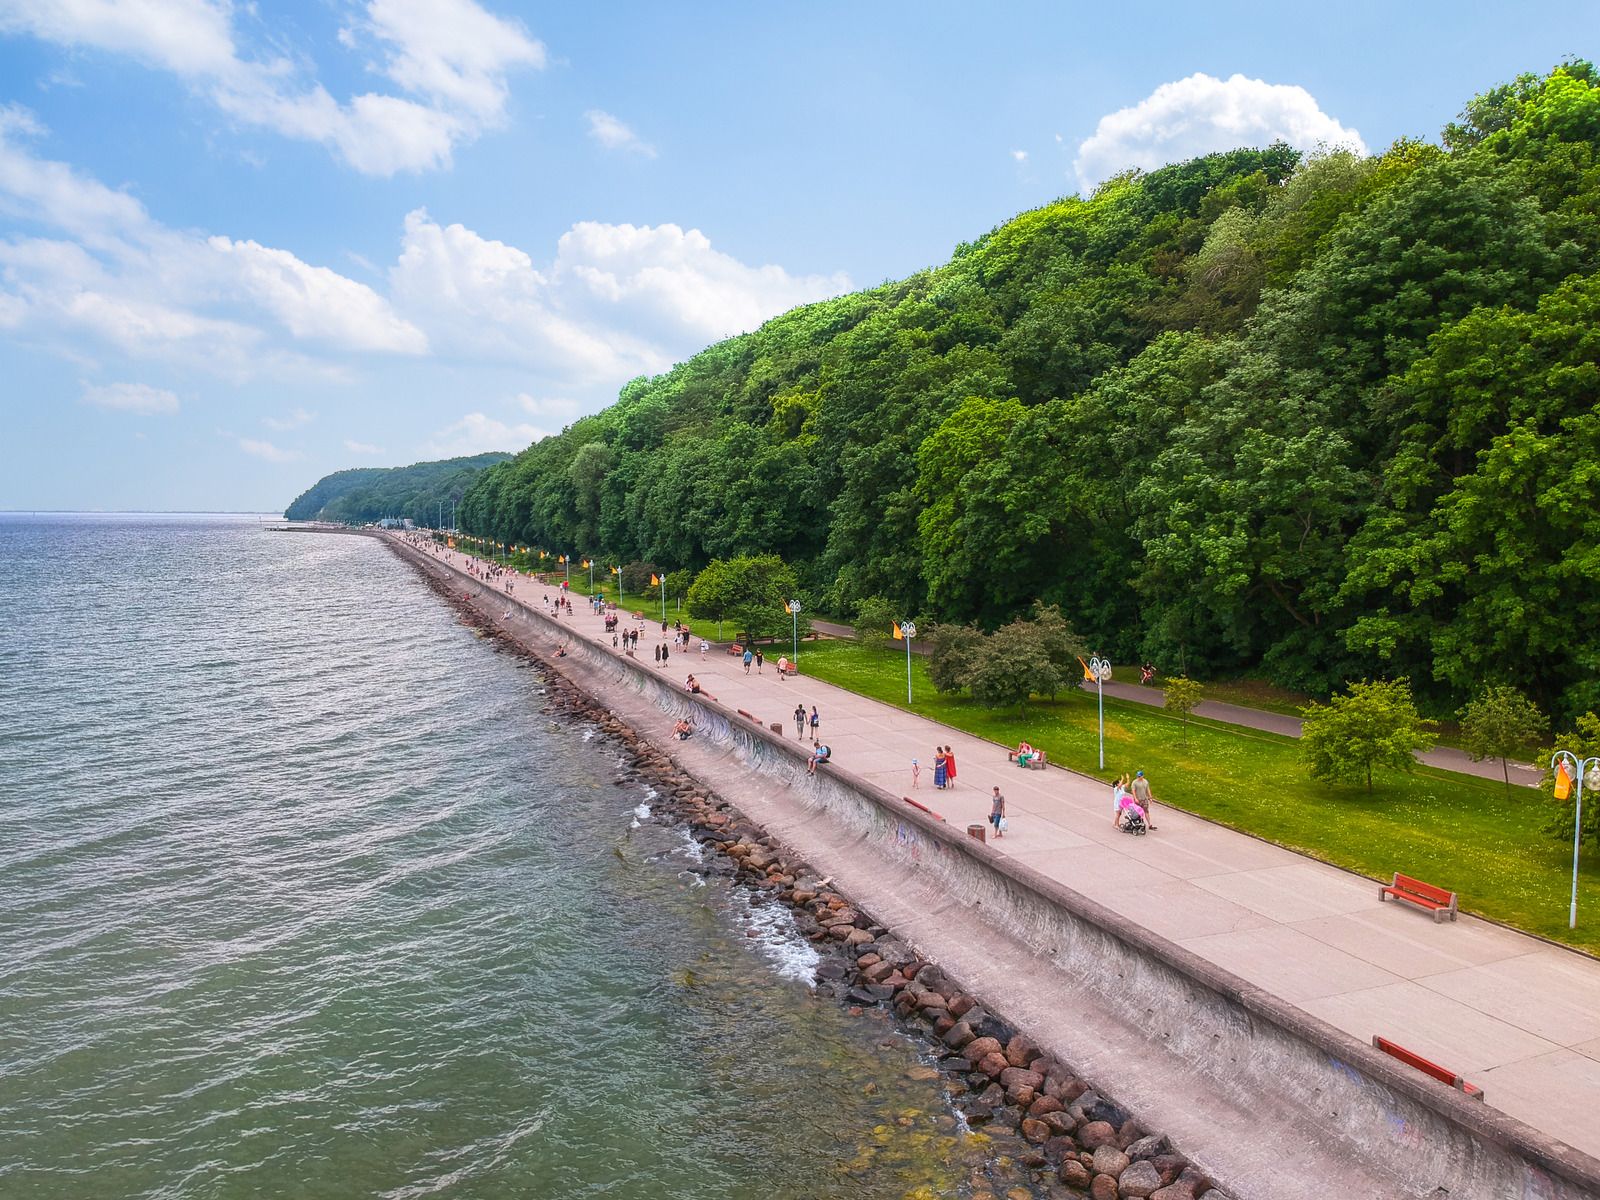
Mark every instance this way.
x=658 y=656
x=748 y=659
x=800 y=720
x=704 y=646
x=949 y=767
x=665 y=653
x=938 y=767
x=997 y=813
x=1141 y=793
x=816 y=722
x=758 y=662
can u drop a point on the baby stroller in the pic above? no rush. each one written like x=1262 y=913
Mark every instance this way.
x=1133 y=822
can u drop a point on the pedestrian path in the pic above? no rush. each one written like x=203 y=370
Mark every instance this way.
x=1445 y=758
x=1517 y=1016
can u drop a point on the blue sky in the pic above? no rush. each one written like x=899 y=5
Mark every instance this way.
x=243 y=245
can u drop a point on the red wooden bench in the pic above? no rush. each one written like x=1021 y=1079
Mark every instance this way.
x=1437 y=900
x=1442 y=1074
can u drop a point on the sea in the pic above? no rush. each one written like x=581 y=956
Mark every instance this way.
x=303 y=893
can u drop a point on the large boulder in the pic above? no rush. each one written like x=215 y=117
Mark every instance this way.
x=1141 y=1179
x=1108 y=1160
x=1096 y=1134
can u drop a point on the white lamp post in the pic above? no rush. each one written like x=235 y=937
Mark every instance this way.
x=1100 y=668
x=908 y=628
x=794 y=613
x=1578 y=769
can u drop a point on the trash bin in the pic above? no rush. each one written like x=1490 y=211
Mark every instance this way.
x=979 y=831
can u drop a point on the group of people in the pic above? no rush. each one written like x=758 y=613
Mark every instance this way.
x=1131 y=804
x=944 y=768
x=800 y=720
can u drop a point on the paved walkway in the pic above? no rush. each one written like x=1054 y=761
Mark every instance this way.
x=1517 y=1016
x=1446 y=758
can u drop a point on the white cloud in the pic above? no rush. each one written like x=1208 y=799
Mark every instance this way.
x=477 y=433
x=1021 y=156
x=294 y=420
x=672 y=279
x=362 y=447
x=615 y=301
x=451 y=57
x=138 y=398
x=1202 y=115
x=316 y=303
x=115 y=274
x=614 y=135
x=267 y=451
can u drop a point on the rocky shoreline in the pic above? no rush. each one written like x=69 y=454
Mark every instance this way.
x=1075 y=1141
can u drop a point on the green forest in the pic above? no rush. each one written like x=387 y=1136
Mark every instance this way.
x=365 y=494
x=1312 y=417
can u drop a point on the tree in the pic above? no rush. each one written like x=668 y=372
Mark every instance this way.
x=636 y=578
x=1010 y=666
x=751 y=591
x=1374 y=724
x=875 y=622
x=1182 y=695
x=1499 y=722
x=1060 y=644
x=953 y=652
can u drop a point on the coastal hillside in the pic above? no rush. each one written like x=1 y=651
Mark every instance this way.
x=1319 y=417
x=364 y=494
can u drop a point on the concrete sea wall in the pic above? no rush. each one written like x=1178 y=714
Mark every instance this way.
x=1273 y=1102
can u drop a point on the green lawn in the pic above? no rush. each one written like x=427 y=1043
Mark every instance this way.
x=1461 y=833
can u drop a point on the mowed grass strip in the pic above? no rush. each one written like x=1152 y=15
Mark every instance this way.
x=1460 y=833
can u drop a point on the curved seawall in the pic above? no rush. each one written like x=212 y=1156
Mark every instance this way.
x=1273 y=1103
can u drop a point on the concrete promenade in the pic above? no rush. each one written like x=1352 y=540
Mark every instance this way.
x=1515 y=1015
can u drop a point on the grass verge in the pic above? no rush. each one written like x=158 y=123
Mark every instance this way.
x=1464 y=834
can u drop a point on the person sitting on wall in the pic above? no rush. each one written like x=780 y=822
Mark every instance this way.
x=820 y=754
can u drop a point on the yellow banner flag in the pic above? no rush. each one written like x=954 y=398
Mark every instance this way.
x=1563 y=782
x=654 y=581
x=897 y=634
x=1088 y=675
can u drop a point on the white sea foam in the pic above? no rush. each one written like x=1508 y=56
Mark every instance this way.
x=778 y=939
x=587 y=734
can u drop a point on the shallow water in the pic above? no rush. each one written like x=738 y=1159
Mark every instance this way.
x=301 y=894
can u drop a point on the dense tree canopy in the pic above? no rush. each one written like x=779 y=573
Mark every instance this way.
x=1323 y=418
x=421 y=491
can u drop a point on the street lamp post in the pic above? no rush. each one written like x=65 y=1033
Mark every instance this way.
x=1577 y=768
x=1100 y=668
x=908 y=628
x=794 y=615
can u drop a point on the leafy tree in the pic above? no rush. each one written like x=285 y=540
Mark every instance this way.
x=953 y=652
x=1499 y=722
x=636 y=577
x=751 y=591
x=678 y=583
x=1182 y=694
x=1060 y=645
x=1010 y=666
x=875 y=622
x=1374 y=724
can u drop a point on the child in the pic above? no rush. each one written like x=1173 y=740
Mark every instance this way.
x=916 y=773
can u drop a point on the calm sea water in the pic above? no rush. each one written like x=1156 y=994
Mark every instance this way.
x=301 y=895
